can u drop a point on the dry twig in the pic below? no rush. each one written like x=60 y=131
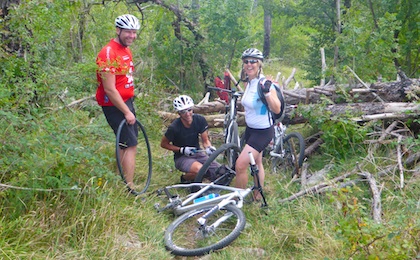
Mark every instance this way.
x=316 y=188
x=400 y=166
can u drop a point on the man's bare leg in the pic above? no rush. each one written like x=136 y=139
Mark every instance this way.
x=128 y=161
x=195 y=168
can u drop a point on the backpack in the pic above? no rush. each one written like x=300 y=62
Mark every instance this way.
x=220 y=84
x=274 y=116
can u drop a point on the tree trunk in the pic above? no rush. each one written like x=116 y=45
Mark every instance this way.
x=267 y=30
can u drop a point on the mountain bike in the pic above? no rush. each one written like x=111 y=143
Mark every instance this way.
x=230 y=124
x=207 y=225
x=286 y=151
x=143 y=174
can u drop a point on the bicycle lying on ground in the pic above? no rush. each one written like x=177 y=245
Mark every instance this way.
x=207 y=225
x=287 y=151
x=143 y=174
x=230 y=124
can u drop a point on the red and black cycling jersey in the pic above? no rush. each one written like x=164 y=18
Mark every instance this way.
x=116 y=59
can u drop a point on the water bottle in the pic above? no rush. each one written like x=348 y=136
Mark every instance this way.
x=207 y=197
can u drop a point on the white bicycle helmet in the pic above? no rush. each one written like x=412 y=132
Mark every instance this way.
x=183 y=102
x=127 y=21
x=252 y=53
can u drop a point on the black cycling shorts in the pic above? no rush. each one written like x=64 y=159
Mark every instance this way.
x=129 y=133
x=258 y=138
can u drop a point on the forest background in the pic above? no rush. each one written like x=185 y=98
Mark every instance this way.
x=59 y=195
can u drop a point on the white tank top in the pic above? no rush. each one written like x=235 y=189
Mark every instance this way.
x=256 y=113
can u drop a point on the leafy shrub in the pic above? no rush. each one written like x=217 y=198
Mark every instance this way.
x=343 y=137
x=365 y=239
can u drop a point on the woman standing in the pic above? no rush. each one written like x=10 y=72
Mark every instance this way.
x=259 y=124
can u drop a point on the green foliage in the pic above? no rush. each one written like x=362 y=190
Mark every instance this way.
x=290 y=39
x=365 y=239
x=226 y=33
x=379 y=32
x=49 y=153
x=58 y=150
x=231 y=31
x=319 y=19
x=54 y=56
x=359 y=40
x=64 y=199
x=343 y=137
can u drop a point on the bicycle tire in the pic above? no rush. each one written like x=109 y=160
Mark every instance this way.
x=221 y=150
x=242 y=138
x=138 y=178
x=232 y=137
x=294 y=153
x=179 y=239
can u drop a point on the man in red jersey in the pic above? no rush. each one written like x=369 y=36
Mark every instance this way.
x=115 y=90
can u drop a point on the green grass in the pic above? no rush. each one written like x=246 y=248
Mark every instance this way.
x=100 y=220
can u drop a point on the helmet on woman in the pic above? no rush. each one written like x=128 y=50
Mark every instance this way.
x=252 y=53
x=127 y=21
x=183 y=102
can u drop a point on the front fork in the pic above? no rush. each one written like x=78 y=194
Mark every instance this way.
x=279 y=134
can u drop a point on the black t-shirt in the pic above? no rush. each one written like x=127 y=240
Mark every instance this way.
x=181 y=136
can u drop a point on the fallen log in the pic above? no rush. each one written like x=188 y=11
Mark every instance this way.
x=217 y=106
x=212 y=120
x=362 y=112
x=407 y=90
x=313 y=146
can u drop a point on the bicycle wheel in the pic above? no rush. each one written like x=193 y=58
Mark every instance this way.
x=293 y=154
x=221 y=150
x=232 y=137
x=143 y=174
x=186 y=237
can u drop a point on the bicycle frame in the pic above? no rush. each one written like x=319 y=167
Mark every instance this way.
x=230 y=124
x=230 y=113
x=182 y=205
x=235 y=196
x=279 y=134
x=231 y=118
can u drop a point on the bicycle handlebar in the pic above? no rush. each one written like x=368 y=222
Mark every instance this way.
x=225 y=90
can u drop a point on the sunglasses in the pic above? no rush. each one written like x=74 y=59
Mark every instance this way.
x=250 y=61
x=185 y=111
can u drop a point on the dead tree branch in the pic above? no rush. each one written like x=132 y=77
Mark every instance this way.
x=365 y=85
x=316 y=188
x=376 y=196
x=76 y=102
x=399 y=160
x=289 y=79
